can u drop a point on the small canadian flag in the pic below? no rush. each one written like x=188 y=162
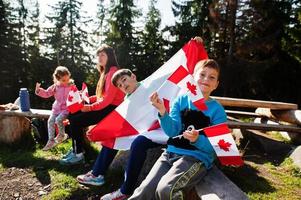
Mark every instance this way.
x=85 y=93
x=223 y=144
x=74 y=100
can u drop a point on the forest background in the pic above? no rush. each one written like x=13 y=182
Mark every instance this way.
x=256 y=42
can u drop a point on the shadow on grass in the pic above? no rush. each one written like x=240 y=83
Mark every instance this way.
x=248 y=179
x=23 y=157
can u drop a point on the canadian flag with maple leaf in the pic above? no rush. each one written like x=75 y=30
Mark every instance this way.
x=223 y=144
x=74 y=100
x=136 y=116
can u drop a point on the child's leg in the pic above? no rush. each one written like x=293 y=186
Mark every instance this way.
x=51 y=128
x=59 y=122
x=185 y=172
x=103 y=161
x=147 y=189
x=135 y=163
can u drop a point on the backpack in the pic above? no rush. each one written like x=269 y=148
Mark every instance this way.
x=39 y=129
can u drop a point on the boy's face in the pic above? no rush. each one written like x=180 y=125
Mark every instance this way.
x=127 y=84
x=207 y=79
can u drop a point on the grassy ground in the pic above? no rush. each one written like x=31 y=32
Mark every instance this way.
x=30 y=170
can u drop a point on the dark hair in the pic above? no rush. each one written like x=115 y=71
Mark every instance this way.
x=207 y=63
x=59 y=72
x=119 y=73
x=112 y=60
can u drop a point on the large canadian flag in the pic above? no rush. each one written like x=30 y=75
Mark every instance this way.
x=136 y=116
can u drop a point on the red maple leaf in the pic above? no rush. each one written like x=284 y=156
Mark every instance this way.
x=70 y=98
x=224 y=145
x=191 y=88
x=73 y=88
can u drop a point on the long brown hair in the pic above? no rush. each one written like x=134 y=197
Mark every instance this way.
x=103 y=70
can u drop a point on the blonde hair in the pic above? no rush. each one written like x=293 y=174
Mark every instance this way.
x=60 y=72
x=210 y=63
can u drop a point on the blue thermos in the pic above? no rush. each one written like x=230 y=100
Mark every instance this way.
x=24 y=100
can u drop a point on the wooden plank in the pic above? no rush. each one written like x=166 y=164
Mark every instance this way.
x=264 y=127
x=33 y=113
x=291 y=116
x=249 y=103
x=242 y=113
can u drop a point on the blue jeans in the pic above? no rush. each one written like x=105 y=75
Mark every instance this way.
x=135 y=163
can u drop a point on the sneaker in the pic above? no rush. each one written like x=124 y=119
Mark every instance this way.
x=90 y=179
x=61 y=138
x=73 y=159
x=68 y=154
x=116 y=195
x=50 y=144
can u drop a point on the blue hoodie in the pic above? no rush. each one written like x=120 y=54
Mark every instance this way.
x=172 y=125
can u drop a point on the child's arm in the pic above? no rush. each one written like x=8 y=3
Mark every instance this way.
x=170 y=123
x=44 y=93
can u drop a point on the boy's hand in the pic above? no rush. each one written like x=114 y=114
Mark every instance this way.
x=38 y=85
x=86 y=108
x=157 y=103
x=192 y=135
x=198 y=39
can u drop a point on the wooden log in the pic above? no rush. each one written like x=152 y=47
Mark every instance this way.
x=33 y=113
x=264 y=127
x=13 y=128
x=290 y=116
x=249 y=103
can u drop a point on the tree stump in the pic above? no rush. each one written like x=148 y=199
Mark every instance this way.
x=13 y=128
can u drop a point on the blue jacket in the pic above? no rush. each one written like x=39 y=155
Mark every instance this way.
x=172 y=126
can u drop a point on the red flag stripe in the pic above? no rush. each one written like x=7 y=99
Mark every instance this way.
x=178 y=75
x=231 y=160
x=114 y=121
x=194 y=52
x=73 y=108
x=216 y=130
x=200 y=104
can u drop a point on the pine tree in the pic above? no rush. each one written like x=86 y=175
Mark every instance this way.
x=152 y=43
x=68 y=40
x=120 y=34
x=192 y=19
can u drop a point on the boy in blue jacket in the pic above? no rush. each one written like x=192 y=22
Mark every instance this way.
x=187 y=157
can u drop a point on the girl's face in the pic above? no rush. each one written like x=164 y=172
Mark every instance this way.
x=102 y=58
x=207 y=79
x=64 y=80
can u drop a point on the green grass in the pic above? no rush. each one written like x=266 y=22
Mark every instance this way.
x=47 y=170
x=260 y=178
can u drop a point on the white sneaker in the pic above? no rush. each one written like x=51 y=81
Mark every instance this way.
x=116 y=195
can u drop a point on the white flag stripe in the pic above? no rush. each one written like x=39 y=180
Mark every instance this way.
x=124 y=143
x=183 y=85
x=233 y=151
x=155 y=80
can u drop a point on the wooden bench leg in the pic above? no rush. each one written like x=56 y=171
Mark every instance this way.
x=13 y=128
